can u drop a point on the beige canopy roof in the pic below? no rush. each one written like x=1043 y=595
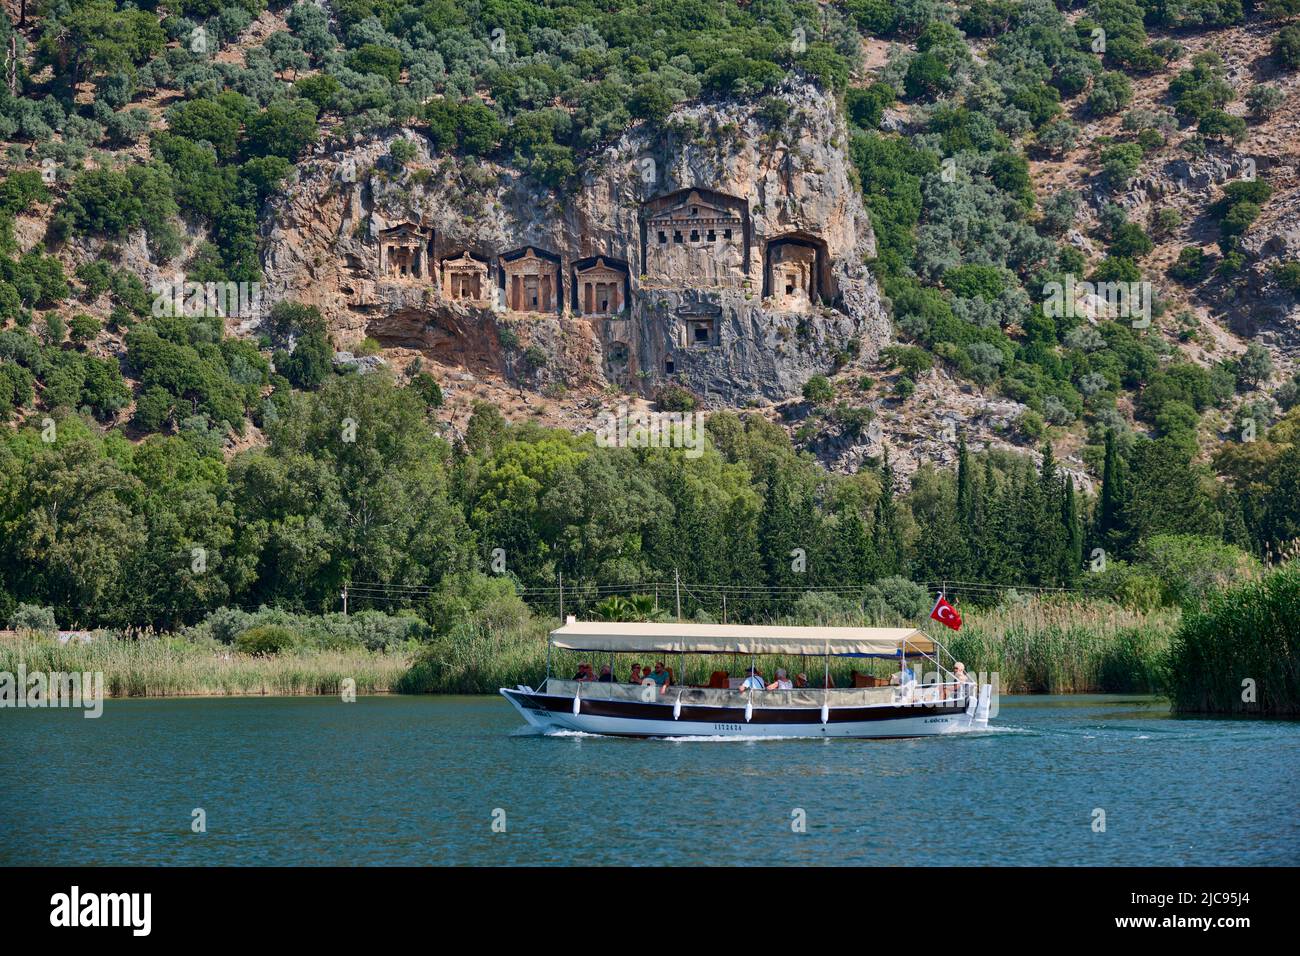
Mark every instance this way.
x=741 y=639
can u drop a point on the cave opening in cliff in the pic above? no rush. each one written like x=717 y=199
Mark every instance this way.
x=796 y=272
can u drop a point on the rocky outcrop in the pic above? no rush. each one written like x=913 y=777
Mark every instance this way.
x=700 y=300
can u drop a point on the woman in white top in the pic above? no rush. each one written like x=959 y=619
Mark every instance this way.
x=782 y=682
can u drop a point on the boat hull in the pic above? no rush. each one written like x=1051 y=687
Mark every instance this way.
x=555 y=713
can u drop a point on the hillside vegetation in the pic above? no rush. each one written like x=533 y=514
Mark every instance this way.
x=155 y=467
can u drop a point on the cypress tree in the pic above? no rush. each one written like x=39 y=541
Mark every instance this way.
x=1234 y=522
x=1050 y=548
x=1073 y=563
x=966 y=503
x=1110 y=507
x=885 y=533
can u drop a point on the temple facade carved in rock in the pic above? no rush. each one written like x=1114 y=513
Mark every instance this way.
x=600 y=286
x=531 y=281
x=465 y=279
x=794 y=273
x=695 y=237
x=404 y=252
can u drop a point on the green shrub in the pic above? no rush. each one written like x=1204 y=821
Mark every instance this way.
x=33 y=617
x=266 y=641
x=818 y=390
x=1286 y=46
x=675 y=398
x=1287 y=275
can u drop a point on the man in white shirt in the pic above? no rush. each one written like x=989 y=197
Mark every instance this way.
x=753 y=682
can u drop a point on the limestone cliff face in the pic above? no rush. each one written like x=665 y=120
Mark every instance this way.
x=719 y=252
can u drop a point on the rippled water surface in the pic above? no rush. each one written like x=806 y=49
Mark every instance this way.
x=417 y=780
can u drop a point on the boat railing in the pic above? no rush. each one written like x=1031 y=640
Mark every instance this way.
x=939 y=693
x=799 y=697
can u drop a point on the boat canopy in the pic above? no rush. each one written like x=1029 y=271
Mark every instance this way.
x=749 y=639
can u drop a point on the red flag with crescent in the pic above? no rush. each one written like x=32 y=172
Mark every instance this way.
x=946 y=614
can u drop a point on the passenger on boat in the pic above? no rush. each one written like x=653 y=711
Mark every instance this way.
x=964 y=681
x=660 y=676
x=585 y=674
x=782 y=682
x=904 y=676
x=606 y=675
x=754 y=681
x=635 y=676
x=800 y=680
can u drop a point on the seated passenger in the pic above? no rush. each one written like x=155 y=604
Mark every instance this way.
x=584 y=674
x=800 y=680
x=660 y=675
x=904 y=676
x=606 y=675
x=782 y=682
x=965 y=683
x=635 y=676
x=754 y=681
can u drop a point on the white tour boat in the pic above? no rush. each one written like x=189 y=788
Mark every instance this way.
x=904 y=707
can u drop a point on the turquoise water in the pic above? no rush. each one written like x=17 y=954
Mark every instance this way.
x=416 y=780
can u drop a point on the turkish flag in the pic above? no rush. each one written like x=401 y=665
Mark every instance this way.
x=946 y=614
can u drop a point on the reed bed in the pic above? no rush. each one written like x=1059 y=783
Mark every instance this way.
x=1068 y=647
x=1043 y=646
x=1239 y=653
x=162 y=666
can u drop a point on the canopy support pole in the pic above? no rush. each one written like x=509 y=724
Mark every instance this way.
x=826 y=685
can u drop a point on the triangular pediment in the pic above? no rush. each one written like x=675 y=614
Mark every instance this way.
x=402 y=231
x=693 y=205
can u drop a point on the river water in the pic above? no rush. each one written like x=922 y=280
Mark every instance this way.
x=454 y=780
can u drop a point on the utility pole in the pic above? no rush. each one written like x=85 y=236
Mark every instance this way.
x=345 y=600
x=561 y=573
x=677 y=583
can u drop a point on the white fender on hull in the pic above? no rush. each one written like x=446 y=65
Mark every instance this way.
x=826 y=713
x=677 y=706
x=577 y=702
x=749 y=710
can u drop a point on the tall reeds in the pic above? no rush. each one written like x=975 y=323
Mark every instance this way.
x=154 y=666
x=1045 y=645
x=1239 y=653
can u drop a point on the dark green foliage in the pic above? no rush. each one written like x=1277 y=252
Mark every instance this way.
x=1241 y=637
x=865 y=105
x=1286 y=46
x=1201 y=89
x=372 y=58
x=283 y=129
x=818 y=390
x=1191 y=265
x=309 y=363
x=427 y=387
x=1129 y=240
